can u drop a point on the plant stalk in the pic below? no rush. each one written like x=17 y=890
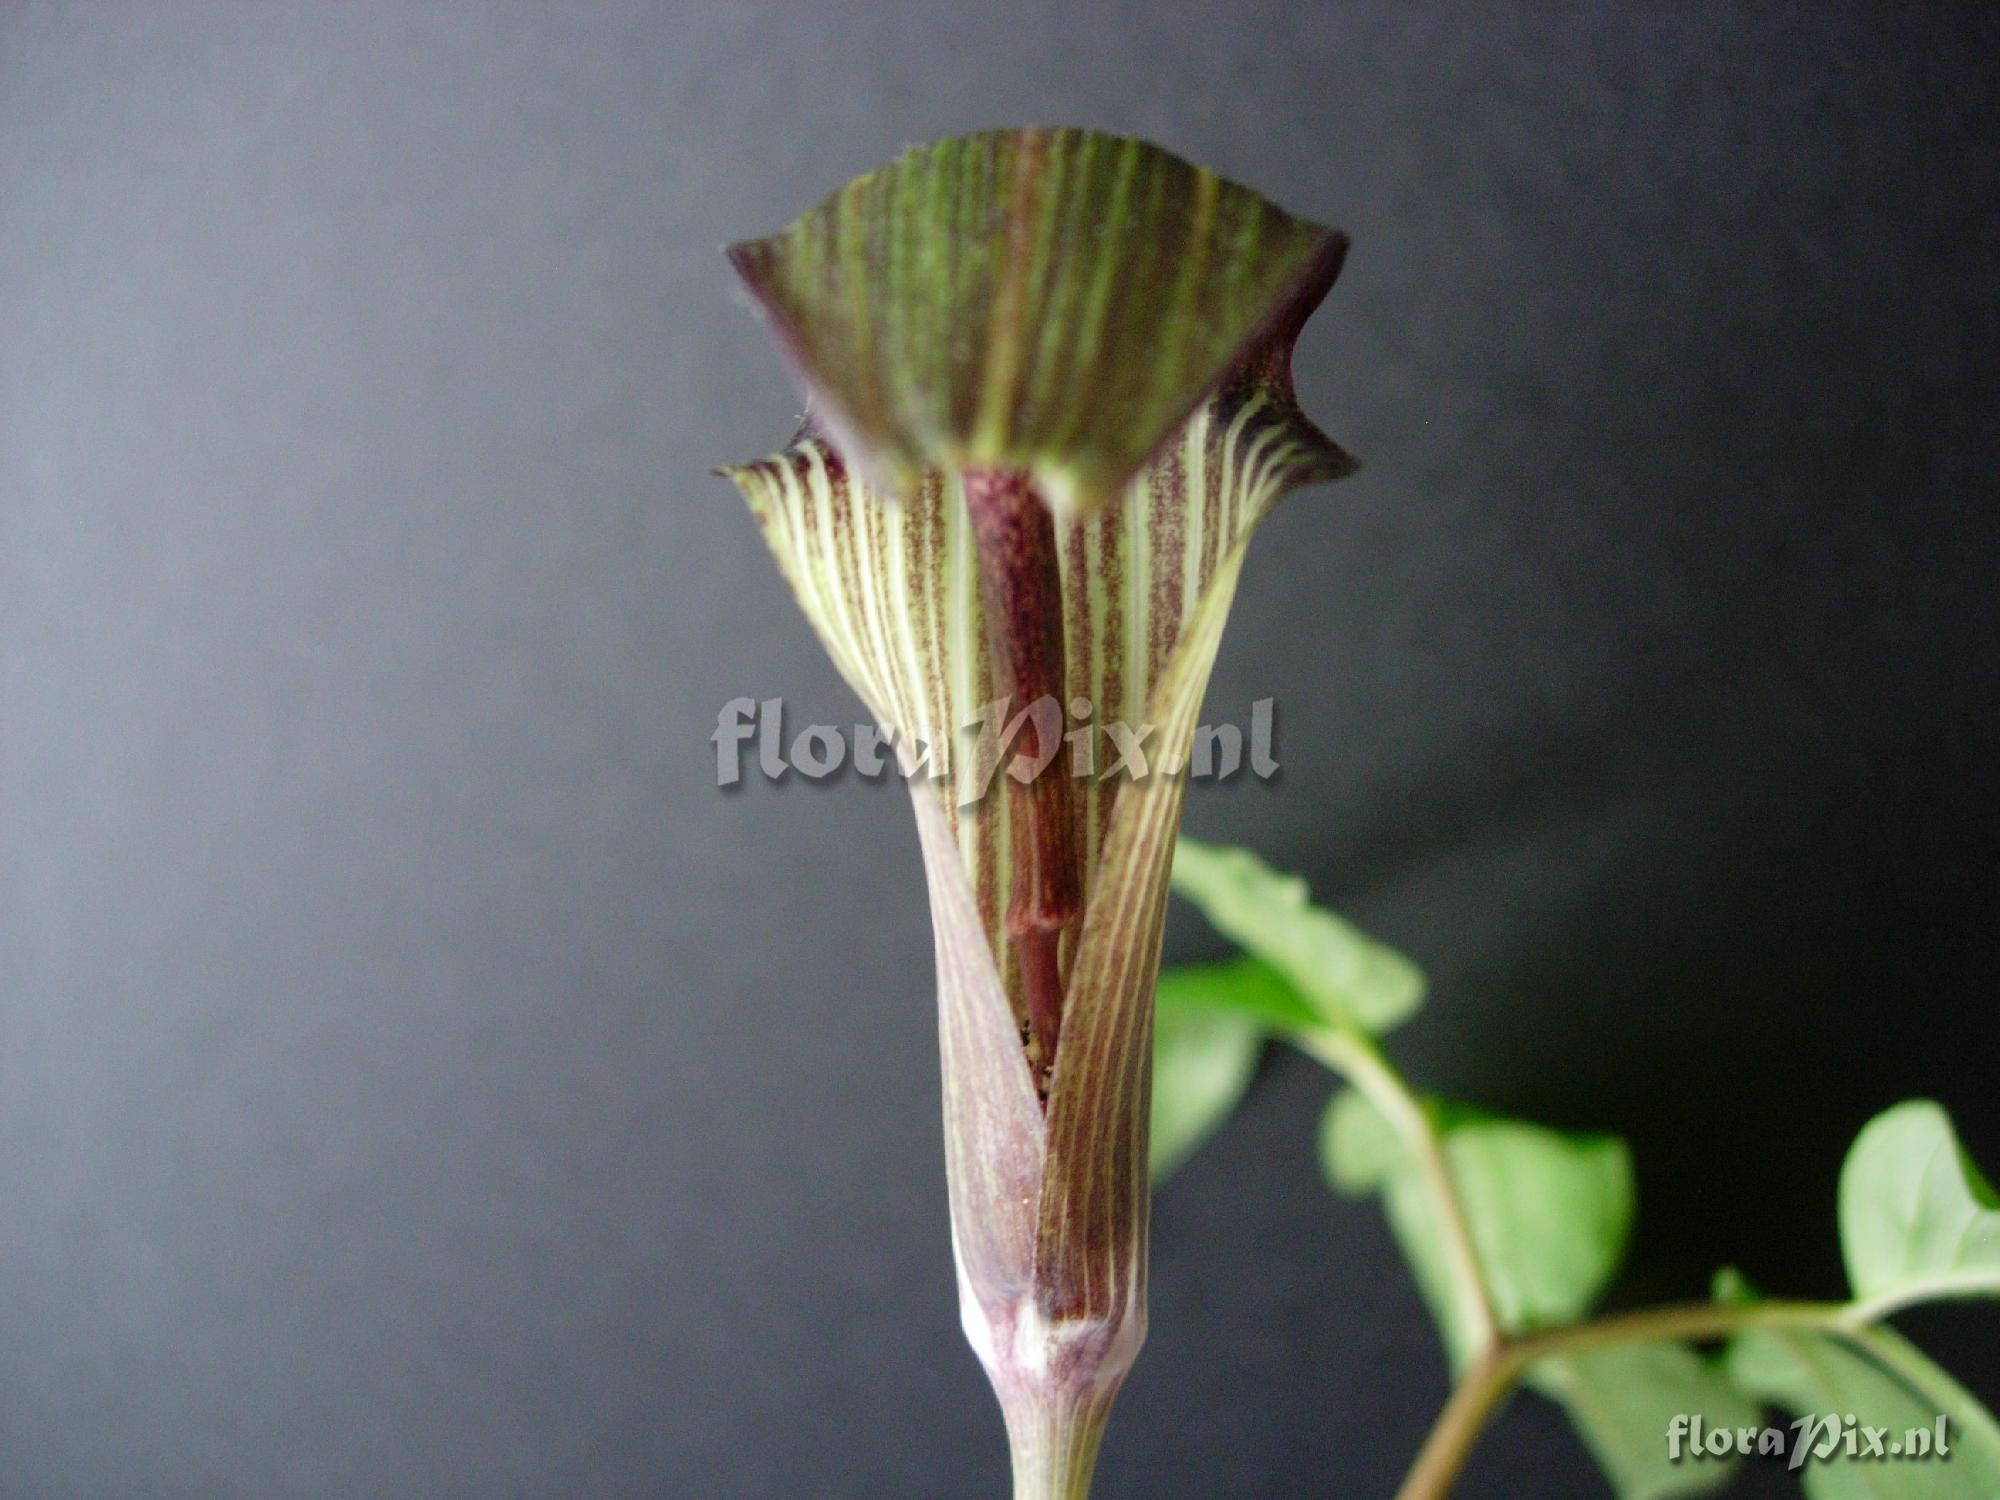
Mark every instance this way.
x=1056 y=1379
x=1052 y=1440
x=1487 y=1380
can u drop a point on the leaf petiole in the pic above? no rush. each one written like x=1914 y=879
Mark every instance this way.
x=1361 y=1062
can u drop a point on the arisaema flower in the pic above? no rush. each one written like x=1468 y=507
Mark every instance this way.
x=1049 y=398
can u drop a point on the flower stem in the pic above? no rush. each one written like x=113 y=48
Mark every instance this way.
x=1053 y=1440
x=1056 y=1378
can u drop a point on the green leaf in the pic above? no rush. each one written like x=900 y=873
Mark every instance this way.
x=1624 y=1399
x=1203 y=1060
x=1729 y=1285
x=1359 y=1150
x=1243 y=986
x=1548 y=1212
x=1351 y=980
x=1916 y=1217
x=1815 y=1376
x=1974 y=1424
x=1051 y=300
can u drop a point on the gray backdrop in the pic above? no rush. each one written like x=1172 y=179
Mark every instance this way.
x=417 y=1079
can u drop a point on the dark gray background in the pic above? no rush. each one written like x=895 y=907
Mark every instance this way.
x=416 y=1078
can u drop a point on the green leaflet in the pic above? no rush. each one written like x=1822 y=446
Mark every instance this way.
x=1548 y=1212
x=1916 y=1217
x=1051 y=300
x=1814 y=1375
x=1973 y=1425
x=1623 y=1400
x=1918 y=1221
x=1875 y=1374
x=1203 y=1059
x=1352 y=981
x=1240 y=986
